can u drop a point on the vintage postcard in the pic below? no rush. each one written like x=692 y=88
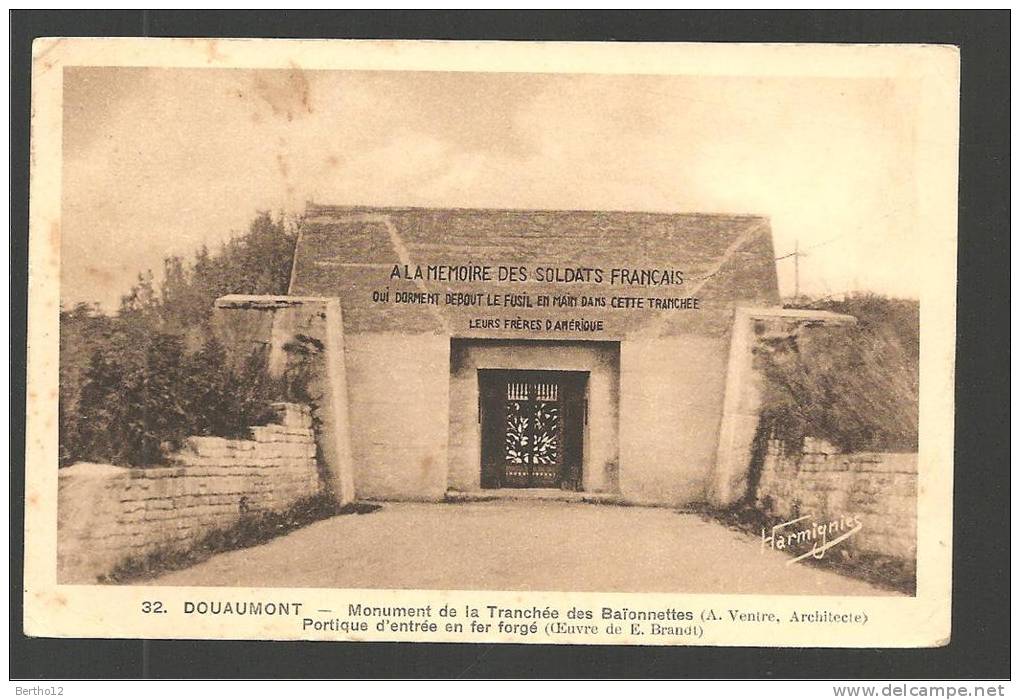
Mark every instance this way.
x=492 y=342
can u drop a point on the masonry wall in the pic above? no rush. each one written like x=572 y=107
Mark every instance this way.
x=106 y=514
x=879 y=488
x=399 y=387
x=671 y=395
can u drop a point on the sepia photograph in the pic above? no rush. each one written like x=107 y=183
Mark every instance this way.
x=605 y=328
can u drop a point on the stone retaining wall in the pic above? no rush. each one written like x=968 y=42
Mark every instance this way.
x=879 y=488
x=107 y=514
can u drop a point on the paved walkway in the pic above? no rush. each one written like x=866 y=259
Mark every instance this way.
x=519 y=546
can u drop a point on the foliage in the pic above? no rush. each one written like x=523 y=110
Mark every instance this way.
x=225 y=401
x=257 y=263
x=132 y=414
x=134 y=383
x=855 y=386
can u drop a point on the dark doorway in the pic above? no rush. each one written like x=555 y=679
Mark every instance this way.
x=532 y=428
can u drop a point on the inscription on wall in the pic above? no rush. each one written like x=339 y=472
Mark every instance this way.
x=630 y=289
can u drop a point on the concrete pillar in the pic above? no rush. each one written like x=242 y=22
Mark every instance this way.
x=742 y=398
x=318 y=318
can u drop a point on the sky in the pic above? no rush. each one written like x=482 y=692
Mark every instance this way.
x=158 y=162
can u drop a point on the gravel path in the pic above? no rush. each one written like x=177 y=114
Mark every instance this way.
x=509 y=545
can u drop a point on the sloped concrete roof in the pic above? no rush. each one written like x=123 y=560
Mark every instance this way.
x=349 y=252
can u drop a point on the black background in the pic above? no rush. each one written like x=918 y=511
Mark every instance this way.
x=981 y=605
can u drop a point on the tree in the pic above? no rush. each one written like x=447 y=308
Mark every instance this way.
x=130 y=388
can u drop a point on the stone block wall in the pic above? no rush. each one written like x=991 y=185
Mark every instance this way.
x=879 y=488
x=107 y=514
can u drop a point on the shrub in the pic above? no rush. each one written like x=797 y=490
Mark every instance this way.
x=132 y=384
x=134 y=414
x=224 y=402
x=91 y=433
x=855 y=386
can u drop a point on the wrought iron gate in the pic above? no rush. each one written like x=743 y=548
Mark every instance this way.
x=532 y=428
